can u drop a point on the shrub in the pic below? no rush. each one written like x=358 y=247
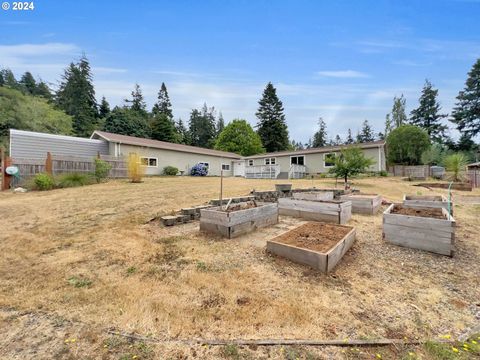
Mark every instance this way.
x=135 y=169
x=383 y=173
x=102 y=168
x=199 y=170
x=74 y=180
x=455 y=163
x=406 y=144
x=44 y=181
x=170 y=170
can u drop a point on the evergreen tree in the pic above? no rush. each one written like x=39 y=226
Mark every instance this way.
x=366 y=134
x=9 y=79
x=163 y=104
x=220 y=124
x=349 y=138
x=338 y=140
x=28 y=83
x=388 y=125
x=308 y=145
x=125 y=121
x=427 y=114
x=320 y=137
x=76 y=96
x=202 y=127
x=2 y=79
x=104 y=108
x=271 y=125
x=44 y=91
x=466 y=113
x=183 y=133
x=399 y=117
x=137 y=102
x=163 y=128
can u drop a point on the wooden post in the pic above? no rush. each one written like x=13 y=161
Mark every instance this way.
x=221 y=187
x=2 y=163
x=48 y=164
x=6 y=162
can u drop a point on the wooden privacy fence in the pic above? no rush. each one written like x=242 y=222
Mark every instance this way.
x=60 y=164
x=474 y=177
x=413 y=172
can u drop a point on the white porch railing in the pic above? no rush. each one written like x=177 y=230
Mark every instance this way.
x=262 y=171
x=297 y=171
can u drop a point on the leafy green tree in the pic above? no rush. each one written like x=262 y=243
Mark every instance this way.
x=44 y=91
x=388 y=126
x=76 y=96
x=406 y=144
x=240 y=138
x=163 y=128
x=104 y=108
x=427 y=115
x=350 y=162
x=25 y=112
x=124 y=121
x=399 y=116
x=202 y=127
x=366 y=134
x=271 y=125
x=455 y=164
x=320 y=136
x=28 y=83
x=435 y=154
x=349 y=139
x=466 y=113
x=163 y=104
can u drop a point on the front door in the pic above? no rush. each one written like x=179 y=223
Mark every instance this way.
x=239 y=168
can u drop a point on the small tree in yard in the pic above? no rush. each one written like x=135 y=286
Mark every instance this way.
x=455 y=164
x=135 y=168
x=350 y=162
x=406 y=144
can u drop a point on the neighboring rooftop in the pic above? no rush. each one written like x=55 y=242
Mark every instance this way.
x=132 y=140
x=368 y=145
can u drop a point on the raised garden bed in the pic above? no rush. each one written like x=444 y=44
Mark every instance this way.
x=428 y=201
x=335 y=211
x=238 y=219
x=313 y=195
x=283 y=187
x=364 y=203
x=318 y=245
x=455 y=186
x=429 y=229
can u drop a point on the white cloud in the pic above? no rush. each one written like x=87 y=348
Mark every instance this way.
x=37 y=49
x=346 y=74
x=107 y=70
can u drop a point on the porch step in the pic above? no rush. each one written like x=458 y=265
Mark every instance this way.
x=283 y=175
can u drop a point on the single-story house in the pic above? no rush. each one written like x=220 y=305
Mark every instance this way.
x=158 y=154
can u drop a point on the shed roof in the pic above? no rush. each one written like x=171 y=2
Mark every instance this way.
x=324 y=149
x=132 y=140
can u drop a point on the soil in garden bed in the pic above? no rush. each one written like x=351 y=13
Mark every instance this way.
x=424 y=212
x=315 y=236
x=241 y=206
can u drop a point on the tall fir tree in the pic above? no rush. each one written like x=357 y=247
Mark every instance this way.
x=271 y=125
x=388 y=126
x=202 y=127
x=466 y=113
x=427 y=114
x=399 y=116
x=349 y=139
x=337 y=141
x=76 y=96
x=163 y=128
x=9 y=79
x=44 y=91
x=125 y=121
x=183 y=133
x=28 y=83
x=320 y=136
x=366 y=134
x=104 y=108
x=220 y=123
x=137 y=102
x=163 y=104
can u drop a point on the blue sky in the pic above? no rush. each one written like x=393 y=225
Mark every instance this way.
x=341 y=60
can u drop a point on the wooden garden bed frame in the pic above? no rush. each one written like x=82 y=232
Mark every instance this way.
x=323 y=261
x=313 y=195
x=429 y=201
x=333 y=211
x=232 y=224
x=428 y=234
x=364 y=203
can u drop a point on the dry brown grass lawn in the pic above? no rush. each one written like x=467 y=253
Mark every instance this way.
x=75 y=262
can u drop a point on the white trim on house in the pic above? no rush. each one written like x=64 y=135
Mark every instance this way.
x=297 y=156
x=325 y=155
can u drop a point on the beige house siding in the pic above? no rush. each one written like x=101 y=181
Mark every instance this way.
x=182 y=160
x=315 y=162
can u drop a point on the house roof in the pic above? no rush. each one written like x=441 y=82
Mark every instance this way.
x=132 y=140
x=324 y=149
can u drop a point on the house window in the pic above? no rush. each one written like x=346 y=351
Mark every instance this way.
x=226 y=167
x=329 y=159
x=250 y=162
x=297 y=160
x=149 y=162
x=270 y=161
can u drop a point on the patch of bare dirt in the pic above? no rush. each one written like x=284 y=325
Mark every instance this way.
x=315 y=236
x=428 y=213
